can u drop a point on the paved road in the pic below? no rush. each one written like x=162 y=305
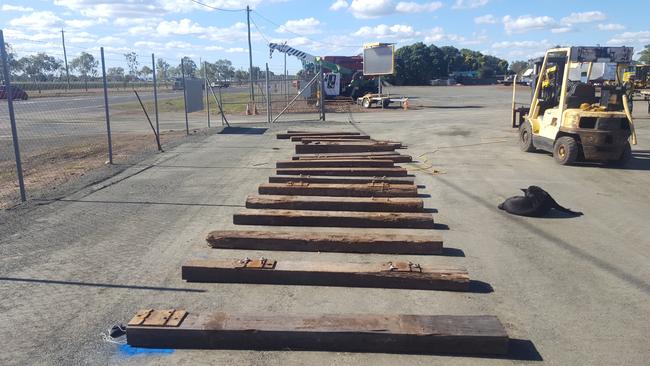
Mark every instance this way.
x=73 y=103
x=569 y=291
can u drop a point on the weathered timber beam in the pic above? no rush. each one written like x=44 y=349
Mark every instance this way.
x=311 y=140
x=411 y=334
x=339 y=180
x=333 y=147
x=365 y=172
x=389 y=274
x=339 y=190
x=346 y=137
x=285 y=136
x=367 y=163
x=395 y=158
x=348 y=242
x=319 y=203
x=346 y=154
x=307 y=141
x=412 y=220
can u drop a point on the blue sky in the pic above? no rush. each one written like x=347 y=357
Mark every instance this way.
x=172 y=28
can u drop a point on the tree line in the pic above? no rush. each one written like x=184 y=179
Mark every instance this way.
x=418 y=64
x=42 y=67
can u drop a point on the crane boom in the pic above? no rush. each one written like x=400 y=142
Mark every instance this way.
x=303 y=56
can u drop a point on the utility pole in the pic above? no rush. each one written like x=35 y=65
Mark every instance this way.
x=250 y=58
x=286 y=86
x=65 y=58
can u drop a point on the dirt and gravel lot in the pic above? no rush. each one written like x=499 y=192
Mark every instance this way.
x=569 y=291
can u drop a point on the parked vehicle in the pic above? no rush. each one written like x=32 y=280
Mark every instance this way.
x=16 y=93
x=220 y=84
x=178 y=84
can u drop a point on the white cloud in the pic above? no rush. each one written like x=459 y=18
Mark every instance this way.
x=237 y=50
x=213 y=48
x=80 y=37
x=14 y=34
x=519 y=44
x=366 y=9
x=110 y=41
x=181 y=27
x=396 y=31
x=611 y=27
x=512 y=50
x=37 y=20
x=412 y=7
x=147 y=8
x=84 y=23
x=527 y=23
x=584 y=17
x=486 y=19
x=469 y=4
x=147 y=45
x=629 y=38
x=178 y=44
x=142 y=29
x=113 y=8
x=436 y=34
x=301 y=26
x=234 y=33
x=9 y=7
x=562 y=30
x=338 y=5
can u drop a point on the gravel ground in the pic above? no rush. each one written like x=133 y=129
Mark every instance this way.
x=569 y=291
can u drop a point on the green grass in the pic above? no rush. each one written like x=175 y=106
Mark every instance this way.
x=234 y=103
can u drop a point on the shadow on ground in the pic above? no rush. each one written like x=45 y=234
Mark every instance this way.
x=243 y=131
x=91 y=284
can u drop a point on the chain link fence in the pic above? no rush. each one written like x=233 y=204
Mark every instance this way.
x=61 y=100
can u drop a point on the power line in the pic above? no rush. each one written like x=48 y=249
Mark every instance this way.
x=301 y=35
x=260 y=32
x=215 y=8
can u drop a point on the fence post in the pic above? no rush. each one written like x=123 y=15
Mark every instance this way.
x=207 y=85
x=108 y=119
x=222 y=108
x=12 y=118
x=321 y=95
x=268 y=96
x=155 y=96
x=187 y=123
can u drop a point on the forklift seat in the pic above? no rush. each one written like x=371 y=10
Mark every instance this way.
x=579 y=93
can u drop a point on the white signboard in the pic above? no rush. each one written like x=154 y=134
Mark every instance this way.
x=332 y=84
x=378 y=59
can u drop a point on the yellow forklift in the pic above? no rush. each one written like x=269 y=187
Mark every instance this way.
x=577 y=113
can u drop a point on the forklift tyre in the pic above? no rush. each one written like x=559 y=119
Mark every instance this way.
x=365 y=103
x=526 y=137
x=386 y=103
x=625 y=158
x=566 y=150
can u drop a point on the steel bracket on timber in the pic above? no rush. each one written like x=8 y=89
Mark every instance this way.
x=374 y=189
x=289 y=134
x=334 y=147
x=339 y=179
x=413 y=220
x=368 y=163
x=364 y=172
x=414 y=334
x=298 y=138
x=393 y=274
x=325 y=203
